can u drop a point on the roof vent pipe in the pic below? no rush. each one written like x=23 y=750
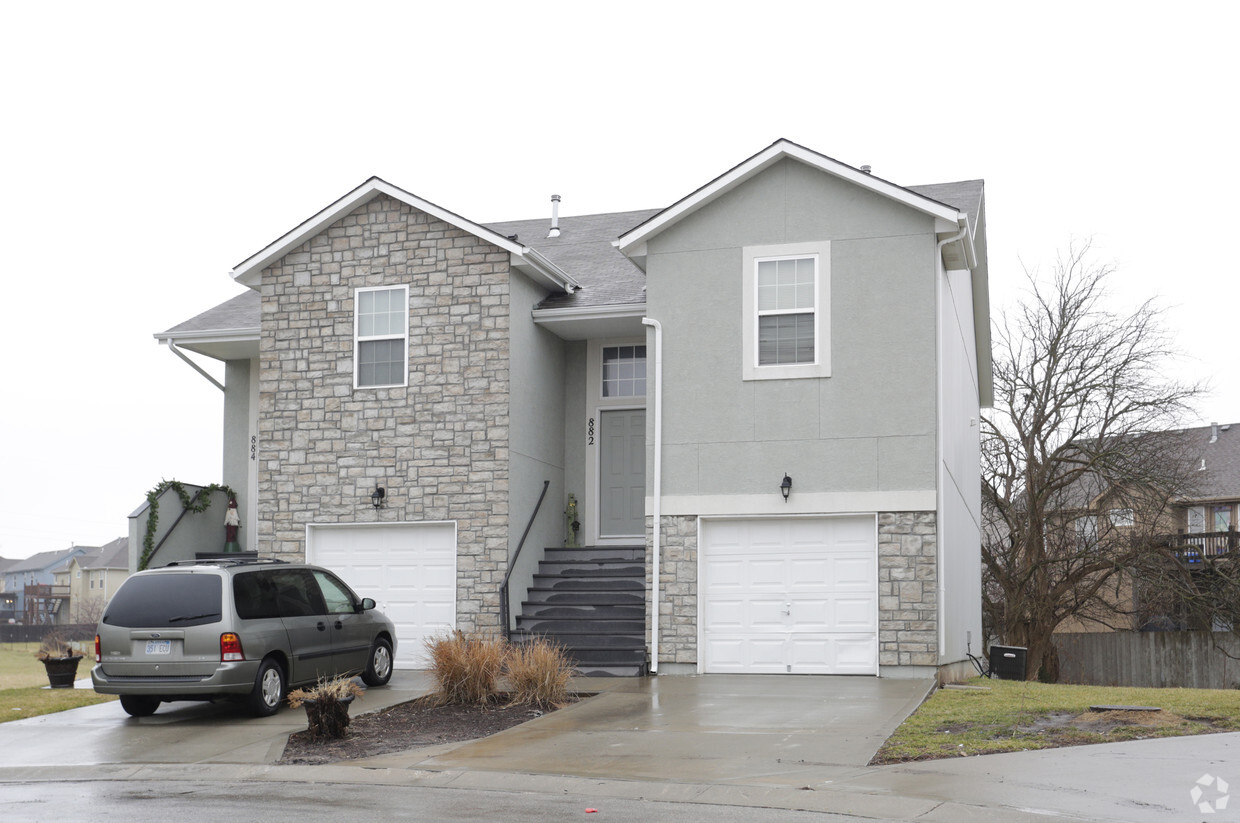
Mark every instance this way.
x=555 y=216
x=1214 y=432
x=865 y=169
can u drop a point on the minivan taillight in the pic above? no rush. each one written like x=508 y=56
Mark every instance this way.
x=230 y=648
x=98 y=656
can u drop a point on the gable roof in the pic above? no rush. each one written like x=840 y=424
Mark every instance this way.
x=249 y=271
x=46 y=561
x=114 y=555
x=633 y=242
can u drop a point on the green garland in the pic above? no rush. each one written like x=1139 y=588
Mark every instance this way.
x=197 y=504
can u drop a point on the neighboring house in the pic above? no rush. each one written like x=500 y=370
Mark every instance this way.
x=8 y=599
x=33 y=580
x=91 y=579
x=1199 y=525
x=783 y=369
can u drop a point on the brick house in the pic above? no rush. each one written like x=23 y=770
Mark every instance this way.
x=783 y=369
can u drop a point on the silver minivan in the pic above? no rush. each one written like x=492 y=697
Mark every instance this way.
x=245 y=630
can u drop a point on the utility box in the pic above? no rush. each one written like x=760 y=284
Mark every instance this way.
x=1008 y=662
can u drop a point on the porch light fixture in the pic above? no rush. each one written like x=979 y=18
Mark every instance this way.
x=786 y=487
x=376 y=496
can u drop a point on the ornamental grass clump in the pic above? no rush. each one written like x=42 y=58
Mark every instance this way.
x=467 y=668
x=539 y=672
x=327 y=705
x=54 y=646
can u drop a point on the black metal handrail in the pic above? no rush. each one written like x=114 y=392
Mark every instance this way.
x=504 y=610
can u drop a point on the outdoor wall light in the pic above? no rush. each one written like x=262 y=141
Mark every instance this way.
x=376 y=496
x=786 y=487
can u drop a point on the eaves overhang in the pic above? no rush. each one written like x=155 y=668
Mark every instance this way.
x=220 y=344
x=632 y=243
x=249 y=271
x=594 y=322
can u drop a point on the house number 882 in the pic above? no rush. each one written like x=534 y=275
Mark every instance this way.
x=590 y=432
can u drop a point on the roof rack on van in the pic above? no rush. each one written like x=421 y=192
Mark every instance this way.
x=226 y=561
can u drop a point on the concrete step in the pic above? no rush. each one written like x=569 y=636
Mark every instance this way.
x=575 y=625
x=586 y=640
x=599 y=583
x=637 y=553
x=587 y=568
x=584 y=611
x=595 y=597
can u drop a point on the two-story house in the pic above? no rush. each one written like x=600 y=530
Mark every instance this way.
x=90 y=579
x=755 y=410
x=32 y=582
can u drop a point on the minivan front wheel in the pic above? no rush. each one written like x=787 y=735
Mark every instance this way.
x=268 y=689
x=379 y=666
x=139 y=705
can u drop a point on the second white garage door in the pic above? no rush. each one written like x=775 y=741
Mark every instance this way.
x=790 y=595
x=408 y=568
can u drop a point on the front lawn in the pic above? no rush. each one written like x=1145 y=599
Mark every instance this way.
x=23 y=681
x=1008 y=716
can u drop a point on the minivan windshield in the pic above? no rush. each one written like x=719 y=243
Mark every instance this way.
x=166 y=600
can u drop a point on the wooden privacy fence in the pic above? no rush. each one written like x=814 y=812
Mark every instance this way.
x=1191 y=660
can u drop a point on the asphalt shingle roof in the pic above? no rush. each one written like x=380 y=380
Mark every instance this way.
x=584 y=250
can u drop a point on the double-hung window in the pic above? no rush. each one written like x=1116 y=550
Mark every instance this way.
x=786 y=305
x=381 y=337
x=786 y=309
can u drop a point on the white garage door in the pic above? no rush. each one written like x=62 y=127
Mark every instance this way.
x=790 y=595
x=408 y=568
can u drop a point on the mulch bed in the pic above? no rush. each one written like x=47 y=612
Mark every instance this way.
x=412 y=725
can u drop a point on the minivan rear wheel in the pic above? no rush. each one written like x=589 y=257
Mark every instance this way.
x=139 y=705
x=268 y=689
x=379 y=666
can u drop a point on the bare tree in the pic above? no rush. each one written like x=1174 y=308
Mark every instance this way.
x=1075 y=489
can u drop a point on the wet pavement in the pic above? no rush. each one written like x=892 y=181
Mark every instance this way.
x=790 y=742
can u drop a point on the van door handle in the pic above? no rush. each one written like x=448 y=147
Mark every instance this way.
x=322 y=626
x=339 y=624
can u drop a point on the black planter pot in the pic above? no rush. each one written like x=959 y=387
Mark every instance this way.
x=62 y=671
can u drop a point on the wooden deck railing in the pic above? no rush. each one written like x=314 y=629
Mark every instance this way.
x=1194 y=547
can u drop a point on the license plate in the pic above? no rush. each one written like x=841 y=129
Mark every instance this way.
x=159 y=647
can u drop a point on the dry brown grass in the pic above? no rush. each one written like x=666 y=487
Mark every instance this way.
x=467 y=668
x=539 y=672
x=336 y=688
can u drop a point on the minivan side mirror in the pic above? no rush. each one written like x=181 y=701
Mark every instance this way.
x=367 y=604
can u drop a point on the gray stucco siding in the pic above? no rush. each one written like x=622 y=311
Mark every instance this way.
x=725 y=435
x=236 y=457
x=537 y=436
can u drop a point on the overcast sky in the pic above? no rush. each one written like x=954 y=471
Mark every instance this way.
x=148 y=148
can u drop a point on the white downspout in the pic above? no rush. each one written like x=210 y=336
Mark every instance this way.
x=940 y=544
x=657 y=491
x=172 y=347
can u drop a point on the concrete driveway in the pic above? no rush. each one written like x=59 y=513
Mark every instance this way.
x=754 y=729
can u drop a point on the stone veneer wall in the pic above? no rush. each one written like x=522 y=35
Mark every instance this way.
x=439 y=446
x=908 y=628
x=907 y=589
x=678 y=581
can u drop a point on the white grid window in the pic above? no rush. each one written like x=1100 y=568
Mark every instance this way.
x=382 y=337
x=786 y=302
x=624 y=371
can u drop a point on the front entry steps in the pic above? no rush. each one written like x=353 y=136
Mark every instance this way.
x=591 y=601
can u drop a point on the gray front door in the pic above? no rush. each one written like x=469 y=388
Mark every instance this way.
x=622 y=473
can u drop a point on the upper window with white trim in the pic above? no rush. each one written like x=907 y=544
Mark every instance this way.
x=786 y=310
x=786 y=304
x=381 y=337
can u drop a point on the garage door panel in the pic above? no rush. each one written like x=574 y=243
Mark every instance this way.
x=803 y=592
x=409 y=569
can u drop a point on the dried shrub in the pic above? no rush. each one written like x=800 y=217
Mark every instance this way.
x=467 y=668
x=327 y=706
x=54 y=646
x=539 y=671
